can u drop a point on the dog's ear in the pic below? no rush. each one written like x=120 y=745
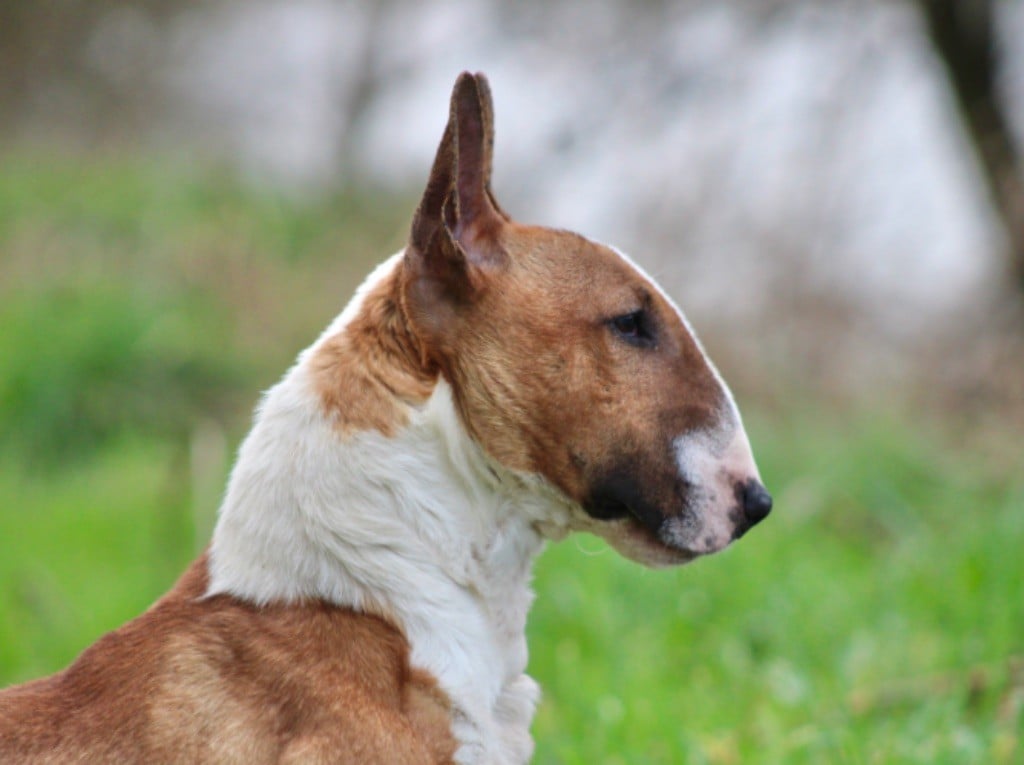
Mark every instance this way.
x=454 y=242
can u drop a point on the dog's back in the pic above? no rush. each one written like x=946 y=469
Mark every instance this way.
x=215 y=679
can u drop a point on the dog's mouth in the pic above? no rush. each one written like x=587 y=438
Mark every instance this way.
x=637 y=542
x=619 y=497
x=636 y=535
x=607 y=507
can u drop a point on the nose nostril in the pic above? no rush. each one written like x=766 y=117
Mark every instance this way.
x=757 y=502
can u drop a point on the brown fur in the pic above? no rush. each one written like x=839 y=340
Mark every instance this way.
x=374 y=366
x=216 y=680
x=549 y=389
x=518 y=319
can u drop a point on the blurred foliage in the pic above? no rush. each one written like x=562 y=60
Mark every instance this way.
x=81 y=365
x=85 y=66
x=140 y=297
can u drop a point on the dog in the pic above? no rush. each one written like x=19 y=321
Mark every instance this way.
x=364 y=597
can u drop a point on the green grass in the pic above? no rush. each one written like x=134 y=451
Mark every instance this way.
x=876 y=617
x=84 y=549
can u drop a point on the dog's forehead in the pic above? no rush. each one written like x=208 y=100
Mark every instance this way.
x=559 y=251
x=575 y=270
x=566 y=271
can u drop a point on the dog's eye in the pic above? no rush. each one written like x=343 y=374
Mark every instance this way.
x=627 y=325
x=633 y=327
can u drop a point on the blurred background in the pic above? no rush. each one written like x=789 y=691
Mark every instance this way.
x=833 y=191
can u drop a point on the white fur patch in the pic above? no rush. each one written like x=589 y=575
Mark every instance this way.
x=422 y=526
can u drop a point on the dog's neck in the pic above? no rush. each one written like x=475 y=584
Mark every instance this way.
x=406 y=518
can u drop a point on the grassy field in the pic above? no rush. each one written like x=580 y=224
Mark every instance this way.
x=876 y=617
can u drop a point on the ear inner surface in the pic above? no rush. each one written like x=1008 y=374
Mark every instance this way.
x=487 y=109
x=476 y=217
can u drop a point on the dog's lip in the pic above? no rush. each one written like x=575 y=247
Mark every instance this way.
x=637 y=535
x=666 y=554
x=609 y=510
x=622 y=511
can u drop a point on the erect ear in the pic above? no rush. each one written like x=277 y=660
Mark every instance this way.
x=454 y=239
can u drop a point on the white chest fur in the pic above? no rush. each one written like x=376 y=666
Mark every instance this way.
x=420 y=526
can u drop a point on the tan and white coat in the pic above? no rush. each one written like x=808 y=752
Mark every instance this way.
x=365 y=595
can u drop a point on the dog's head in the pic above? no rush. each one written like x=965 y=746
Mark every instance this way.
x=567 y=361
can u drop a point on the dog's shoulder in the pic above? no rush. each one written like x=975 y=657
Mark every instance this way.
x=213 y=679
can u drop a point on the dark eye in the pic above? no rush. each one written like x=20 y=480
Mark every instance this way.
x=634 y=328
x=627 y=325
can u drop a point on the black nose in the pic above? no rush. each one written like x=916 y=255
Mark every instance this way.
x=757 y=502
